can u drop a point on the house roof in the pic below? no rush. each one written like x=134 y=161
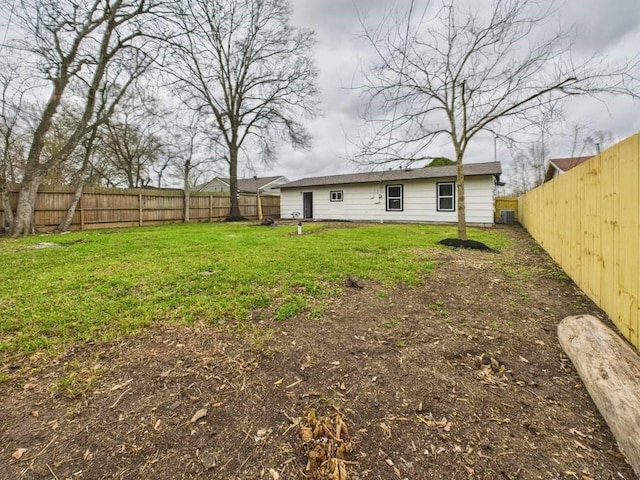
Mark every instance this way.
x=202 y=186
x=568 y=163
x=244 y=184
x=563 y=165
x=471 y=169
x=251 y=185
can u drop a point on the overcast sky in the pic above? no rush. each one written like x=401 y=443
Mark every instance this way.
x=608 y=27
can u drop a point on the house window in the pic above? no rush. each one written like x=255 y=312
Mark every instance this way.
x=446 y=197
x=394 y=198
x=335 y=195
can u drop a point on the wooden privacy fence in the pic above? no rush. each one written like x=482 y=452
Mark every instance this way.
x=505 y=203
x=588 y=219
x=118 y=207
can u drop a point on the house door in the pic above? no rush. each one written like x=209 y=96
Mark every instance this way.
x=307 y=205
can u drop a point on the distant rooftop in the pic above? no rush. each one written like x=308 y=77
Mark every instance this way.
x=567 y=163
x=244 y=184
x=558 y=166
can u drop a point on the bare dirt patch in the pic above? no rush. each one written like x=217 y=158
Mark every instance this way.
x=461 y=378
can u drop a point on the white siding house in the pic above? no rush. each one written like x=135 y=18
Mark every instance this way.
x=420 y=195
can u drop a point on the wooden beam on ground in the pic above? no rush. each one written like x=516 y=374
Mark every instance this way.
x=610 y=369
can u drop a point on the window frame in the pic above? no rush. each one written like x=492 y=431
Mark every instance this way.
x=401 y=198
x=440 y=197
x=331 y=195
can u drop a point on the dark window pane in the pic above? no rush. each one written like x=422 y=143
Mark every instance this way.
x=446 y=189
x=394 y=204
x=394 y=191
x=446 y=204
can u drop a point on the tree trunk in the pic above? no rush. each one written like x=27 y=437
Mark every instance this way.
x=233 y=182
x=462 y=221
x=81 y=177
x=259 y=205
x=6 y=209
x=66 y=222
x=187 y=201
x=5 y=174
x=187 y=189
x=24 y=220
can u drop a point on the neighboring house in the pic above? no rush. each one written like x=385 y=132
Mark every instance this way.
x=420 y=195
x=558 y=166
x=267 y=185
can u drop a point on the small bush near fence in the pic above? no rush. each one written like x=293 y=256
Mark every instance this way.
x=118 y=207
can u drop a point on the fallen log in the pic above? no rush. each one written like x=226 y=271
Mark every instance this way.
x=610 y=369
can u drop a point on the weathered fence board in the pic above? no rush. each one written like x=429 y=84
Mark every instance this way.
x=118 y=207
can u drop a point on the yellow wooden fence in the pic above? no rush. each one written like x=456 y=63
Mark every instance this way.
x=125 y=207
x=505 y=203
x=588 y=219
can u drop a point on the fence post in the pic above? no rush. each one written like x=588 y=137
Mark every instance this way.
x=210 y=207
x=140 y=209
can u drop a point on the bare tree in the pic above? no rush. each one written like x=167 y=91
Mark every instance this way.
x=79 y=177
x=242 y=64
x=468 y=71
x=190 y=152
x=81 y=50
x=131 y=151
x=132 y=142
x=529 y=167
x=79 y=180
x=530 y=160
x=162 y=165
x=588 y=141
x=63 y=125
x=11 y=138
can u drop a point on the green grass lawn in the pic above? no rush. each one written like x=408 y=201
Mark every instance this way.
x=105 y=284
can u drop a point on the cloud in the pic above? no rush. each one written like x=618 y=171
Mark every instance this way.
x=611 y=29
x=601 y=24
